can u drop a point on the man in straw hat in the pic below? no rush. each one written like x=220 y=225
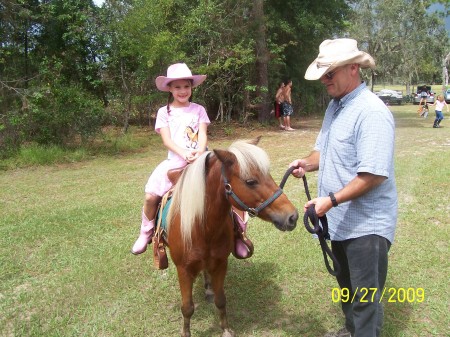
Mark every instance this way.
x=354 y=154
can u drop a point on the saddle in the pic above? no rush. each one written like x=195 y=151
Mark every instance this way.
x=160 y=260
x=159 y=240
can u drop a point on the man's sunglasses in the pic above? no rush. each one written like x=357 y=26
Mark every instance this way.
x=330 y=75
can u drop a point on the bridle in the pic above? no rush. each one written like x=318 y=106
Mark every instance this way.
x=310 y=215
x=320 y=231
x=253 y=212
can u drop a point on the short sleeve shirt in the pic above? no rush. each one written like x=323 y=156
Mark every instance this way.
x=358 y=135
x=183 y=124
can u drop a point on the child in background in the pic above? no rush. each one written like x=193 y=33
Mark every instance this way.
x=440 y=103
x=277 y=104
x=287 y=105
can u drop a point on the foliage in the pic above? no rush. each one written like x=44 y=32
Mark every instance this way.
x=112 y=54
x=407 y=41
x=58 y=114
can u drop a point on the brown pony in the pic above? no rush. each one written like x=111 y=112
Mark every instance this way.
x=200 y=228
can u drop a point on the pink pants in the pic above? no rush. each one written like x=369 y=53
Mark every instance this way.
x=158 y=183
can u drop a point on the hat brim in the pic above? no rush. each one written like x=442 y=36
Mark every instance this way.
x=162 y=82
x=315 y=72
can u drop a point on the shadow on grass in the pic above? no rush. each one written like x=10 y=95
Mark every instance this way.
x=253 y=305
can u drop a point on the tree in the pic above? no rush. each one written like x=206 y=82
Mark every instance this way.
x=402 y=37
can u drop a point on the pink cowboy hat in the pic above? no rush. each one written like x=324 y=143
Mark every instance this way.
x=178 y=71
x=335 y=53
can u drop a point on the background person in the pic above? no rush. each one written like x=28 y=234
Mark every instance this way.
x=287 y=105
x=440 y=103
x=277 y=104
x=423 y=99
x=354 y=154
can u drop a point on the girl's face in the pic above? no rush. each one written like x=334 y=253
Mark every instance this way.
x=181 y=91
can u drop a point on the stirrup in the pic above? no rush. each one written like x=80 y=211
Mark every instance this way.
x=160 y=260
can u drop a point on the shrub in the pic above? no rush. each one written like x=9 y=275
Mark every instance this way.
x=59 y=114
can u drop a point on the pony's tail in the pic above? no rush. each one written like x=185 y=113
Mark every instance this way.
x=188 y=200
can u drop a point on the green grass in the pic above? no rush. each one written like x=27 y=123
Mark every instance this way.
x=66 y=231
x=111 y=142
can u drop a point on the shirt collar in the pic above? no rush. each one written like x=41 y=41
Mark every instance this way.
x=350 y=96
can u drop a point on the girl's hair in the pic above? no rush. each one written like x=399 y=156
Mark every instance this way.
x=170 y=98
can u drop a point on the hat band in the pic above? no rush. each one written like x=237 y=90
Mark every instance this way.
x=324 y=65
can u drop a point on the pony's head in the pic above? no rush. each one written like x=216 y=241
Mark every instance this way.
x=249 y=185
x=244 y=168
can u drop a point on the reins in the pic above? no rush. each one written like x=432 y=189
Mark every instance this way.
x=320 y=231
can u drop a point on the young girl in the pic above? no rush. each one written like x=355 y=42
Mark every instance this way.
x=440 y=103
x=182 y=125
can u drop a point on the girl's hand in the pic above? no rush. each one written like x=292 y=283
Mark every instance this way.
x=191 y=155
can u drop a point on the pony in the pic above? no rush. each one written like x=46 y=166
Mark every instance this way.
x=200 y=232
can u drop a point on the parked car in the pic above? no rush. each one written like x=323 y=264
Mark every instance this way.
x=390 y=96
x=430 y=95
x=447 y=96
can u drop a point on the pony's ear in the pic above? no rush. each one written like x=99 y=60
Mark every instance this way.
x=226 y=157
x=255 y=141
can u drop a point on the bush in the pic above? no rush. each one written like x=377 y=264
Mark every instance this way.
x=60 y=114
x=11 y=125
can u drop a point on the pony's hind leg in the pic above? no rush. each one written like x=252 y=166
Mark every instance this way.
x=209 y=293
x=187 y=304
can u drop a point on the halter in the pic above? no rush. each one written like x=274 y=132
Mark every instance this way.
x=252 y=212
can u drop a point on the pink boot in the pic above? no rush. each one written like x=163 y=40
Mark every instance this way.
x=243 y=247
x=145 y=237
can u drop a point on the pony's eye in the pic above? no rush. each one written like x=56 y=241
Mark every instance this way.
x=251 y=182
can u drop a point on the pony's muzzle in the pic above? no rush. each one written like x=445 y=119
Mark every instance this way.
x=286 y=223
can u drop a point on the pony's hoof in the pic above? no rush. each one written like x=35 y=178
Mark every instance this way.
x=228 y=333
x=209 y=296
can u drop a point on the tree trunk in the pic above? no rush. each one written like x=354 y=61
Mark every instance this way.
x=262 y=60
x=127 y=102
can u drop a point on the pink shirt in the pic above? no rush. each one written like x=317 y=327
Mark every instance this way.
x=183 y=124
x=440 y=105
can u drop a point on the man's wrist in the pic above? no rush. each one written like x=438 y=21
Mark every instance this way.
x=333 y=199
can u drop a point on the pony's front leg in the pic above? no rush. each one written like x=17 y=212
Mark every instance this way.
x=217 y=282
x=187 y=304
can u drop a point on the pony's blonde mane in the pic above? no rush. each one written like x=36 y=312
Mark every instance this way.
x=250 y=156
x=189 y=194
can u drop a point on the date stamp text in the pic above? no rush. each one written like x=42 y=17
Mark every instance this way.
x=365 y=295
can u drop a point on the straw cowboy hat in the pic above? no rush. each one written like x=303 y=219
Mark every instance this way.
x=335 y=53
x=178 y=71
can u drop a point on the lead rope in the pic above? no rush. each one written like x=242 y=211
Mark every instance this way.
x=321 y=231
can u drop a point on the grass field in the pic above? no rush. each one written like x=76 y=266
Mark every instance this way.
x=66 y=231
